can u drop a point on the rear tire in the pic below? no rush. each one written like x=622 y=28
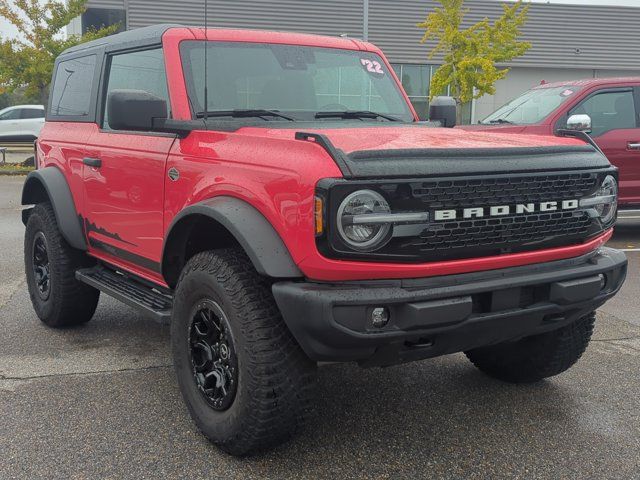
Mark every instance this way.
x=534 y=358
x=246 y=382
x=58 y=298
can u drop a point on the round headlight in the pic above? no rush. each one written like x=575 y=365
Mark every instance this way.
x=363 y=236
x=607 y=211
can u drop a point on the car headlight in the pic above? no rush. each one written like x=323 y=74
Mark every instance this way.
x=605 y=200
x=369 y=235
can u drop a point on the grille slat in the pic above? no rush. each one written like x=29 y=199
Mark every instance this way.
x=507 y=231
x=504 y=191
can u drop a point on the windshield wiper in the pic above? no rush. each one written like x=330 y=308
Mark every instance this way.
x=501 y=121
x=244 y=113
x=356 y=114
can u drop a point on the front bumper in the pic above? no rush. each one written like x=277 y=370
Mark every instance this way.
x=439 y=315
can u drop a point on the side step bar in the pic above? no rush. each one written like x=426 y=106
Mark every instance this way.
x=129 y=290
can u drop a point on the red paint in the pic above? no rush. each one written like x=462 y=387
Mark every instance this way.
x=325 y=269
x=131 y=201
x=125 y=195
x=614 y=143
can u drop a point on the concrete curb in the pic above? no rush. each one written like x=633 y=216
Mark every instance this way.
x=14 y=172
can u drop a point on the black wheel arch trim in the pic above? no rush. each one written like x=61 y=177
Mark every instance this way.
x=249 y=227
x=53 y=181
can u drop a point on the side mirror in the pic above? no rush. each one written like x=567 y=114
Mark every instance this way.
x=443 y=110
x=135 y=110
x=579 y=123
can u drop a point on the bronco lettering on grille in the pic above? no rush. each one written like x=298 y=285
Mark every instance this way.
x=501 y=210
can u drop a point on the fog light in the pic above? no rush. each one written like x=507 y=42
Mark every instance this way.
x=379 y=317
x=603 y=281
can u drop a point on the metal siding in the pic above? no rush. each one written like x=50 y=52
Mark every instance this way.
x=608 y=37
x=327 y=17
x=106 y=4
x=142 y=13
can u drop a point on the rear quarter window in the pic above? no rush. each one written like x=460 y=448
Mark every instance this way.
x=72 y=91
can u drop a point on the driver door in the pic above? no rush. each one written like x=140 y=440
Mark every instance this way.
x=124 y=171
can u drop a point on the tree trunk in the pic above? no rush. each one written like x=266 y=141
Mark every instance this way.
x=458 y=112
x=43 y=95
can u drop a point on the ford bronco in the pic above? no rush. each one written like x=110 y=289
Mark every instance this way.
x=274 y=196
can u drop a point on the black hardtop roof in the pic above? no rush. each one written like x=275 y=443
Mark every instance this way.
x=131 y=38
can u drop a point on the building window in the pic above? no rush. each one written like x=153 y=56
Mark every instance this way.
x=97 y=18
x=415 y=81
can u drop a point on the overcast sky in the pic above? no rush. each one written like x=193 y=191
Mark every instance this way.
x=7 y=30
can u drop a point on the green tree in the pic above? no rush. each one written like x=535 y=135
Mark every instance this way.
x=27 y=61
x=470 y=54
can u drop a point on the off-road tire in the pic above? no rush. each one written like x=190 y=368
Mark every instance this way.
x=275 y=380
x=534 y=358
x=69 y=301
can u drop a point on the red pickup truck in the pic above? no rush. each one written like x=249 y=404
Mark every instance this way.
x=612 y=104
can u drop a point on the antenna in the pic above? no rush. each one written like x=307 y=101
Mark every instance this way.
x=206 y=43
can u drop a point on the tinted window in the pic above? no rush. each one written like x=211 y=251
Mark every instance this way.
x=10 y=115
x=609 y=111
x=32 y=113
x=142 y=70
x=72 y=87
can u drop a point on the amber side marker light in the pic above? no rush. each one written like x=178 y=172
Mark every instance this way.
x=318 y=217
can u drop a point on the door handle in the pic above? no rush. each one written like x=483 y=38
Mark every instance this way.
x=92 y=162
x=633 y=146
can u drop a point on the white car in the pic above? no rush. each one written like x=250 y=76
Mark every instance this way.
x=21 y=122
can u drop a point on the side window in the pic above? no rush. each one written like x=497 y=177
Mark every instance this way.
x=11 y=114
x=609 y=111
x=143 y=70
x=28 y=113
x=72 y=87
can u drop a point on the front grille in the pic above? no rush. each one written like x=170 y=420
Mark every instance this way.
x=504 y=231
x=475 y=237
x=503 y=190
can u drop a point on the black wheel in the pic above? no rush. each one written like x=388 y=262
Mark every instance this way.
x=246 y=382
x=50 y=263
x=534 y=358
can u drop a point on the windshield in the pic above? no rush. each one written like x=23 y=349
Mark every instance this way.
x=532 y=106
x=296 y=81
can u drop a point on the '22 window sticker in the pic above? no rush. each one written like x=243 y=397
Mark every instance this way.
x=372 y=66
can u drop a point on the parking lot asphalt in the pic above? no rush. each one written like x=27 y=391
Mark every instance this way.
x=101 y=401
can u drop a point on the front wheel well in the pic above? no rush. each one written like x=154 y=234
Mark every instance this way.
x=192 y=235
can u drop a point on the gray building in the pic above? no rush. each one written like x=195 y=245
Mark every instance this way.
x=568 y=41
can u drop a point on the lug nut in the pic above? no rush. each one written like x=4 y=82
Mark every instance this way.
x=379 y=317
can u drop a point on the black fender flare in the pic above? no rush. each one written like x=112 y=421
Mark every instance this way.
x=53 y=183
x=249 y=227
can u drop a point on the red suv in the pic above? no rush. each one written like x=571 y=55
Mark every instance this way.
x=613 y=109
x=274 y=196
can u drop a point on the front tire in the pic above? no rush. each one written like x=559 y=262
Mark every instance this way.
x=58 y=298
x=534 y=358
x=246 y=382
